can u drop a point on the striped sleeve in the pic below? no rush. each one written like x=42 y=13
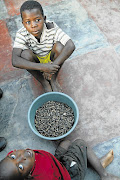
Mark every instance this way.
x=20 y=41
x=61 y=36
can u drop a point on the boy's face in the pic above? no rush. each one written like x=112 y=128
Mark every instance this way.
x=20 y=162
x=33 y=21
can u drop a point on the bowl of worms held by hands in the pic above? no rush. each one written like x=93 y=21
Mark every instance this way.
x=53 y=115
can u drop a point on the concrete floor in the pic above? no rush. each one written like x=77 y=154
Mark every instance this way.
x=91 y=76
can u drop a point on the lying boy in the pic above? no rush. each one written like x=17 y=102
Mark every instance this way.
x=41 y=165
x=40 y=46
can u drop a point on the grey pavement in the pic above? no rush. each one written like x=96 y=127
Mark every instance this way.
x=91 y=76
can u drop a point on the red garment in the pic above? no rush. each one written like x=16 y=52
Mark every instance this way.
x=47 y=167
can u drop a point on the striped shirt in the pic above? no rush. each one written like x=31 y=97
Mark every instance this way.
x=25 y=40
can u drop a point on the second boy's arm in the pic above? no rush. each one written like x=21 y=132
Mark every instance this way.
x=19 y=62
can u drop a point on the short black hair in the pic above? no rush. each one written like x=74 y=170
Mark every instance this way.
x=29 y=5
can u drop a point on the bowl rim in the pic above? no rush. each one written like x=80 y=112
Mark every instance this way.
x=58 y=137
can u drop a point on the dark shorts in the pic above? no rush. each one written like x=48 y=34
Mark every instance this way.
x=74 y=159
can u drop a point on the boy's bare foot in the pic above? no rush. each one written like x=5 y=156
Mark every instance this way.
x=46 y=85
x=65 y=144
x=107 y=159
x=55 y=86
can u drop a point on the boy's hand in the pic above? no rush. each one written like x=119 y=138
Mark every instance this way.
x=47 y=76
x=50 y=68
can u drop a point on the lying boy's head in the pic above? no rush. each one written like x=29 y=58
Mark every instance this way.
x=33 y=18
x=29 y=5
x=17 y=165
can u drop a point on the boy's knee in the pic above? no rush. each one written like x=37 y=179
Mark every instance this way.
x=56 y=50
x=28 y=55
x=58 y=47
x=80 y=142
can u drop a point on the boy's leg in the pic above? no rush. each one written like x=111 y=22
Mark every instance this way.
x=55 y=52
x=96 y=164
x=75 y=159
x=61 y=149
x=30 y=56
x=77 y=154
x=64 y=145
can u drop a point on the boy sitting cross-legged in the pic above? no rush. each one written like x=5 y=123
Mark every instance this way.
x=40 y=46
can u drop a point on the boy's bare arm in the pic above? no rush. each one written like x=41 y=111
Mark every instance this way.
x=66 y=52
x=19 y=62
